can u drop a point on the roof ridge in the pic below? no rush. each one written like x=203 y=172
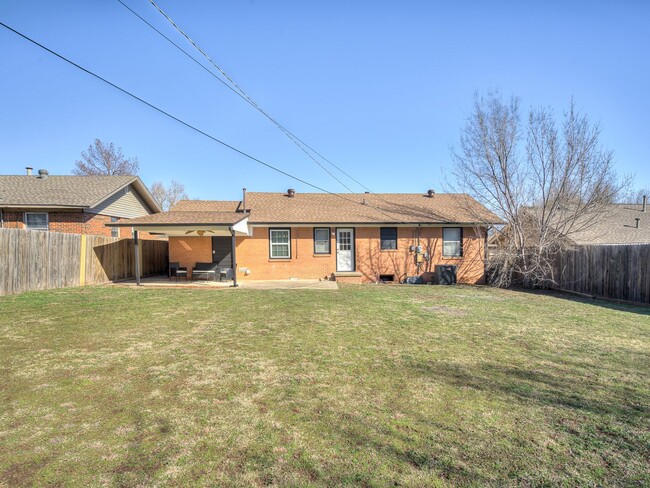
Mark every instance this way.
x=349 y=193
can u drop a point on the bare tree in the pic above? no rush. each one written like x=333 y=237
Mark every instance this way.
x=635 y=195
x=105 y=159
x=168 y=196
x=547 y=182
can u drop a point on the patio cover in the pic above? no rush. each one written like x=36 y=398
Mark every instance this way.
x=188 y=224
x=194 y=223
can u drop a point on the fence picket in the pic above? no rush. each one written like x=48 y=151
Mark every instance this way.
x=619 y=272
x=36 y=260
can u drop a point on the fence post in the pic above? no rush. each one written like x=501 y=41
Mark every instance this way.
x=82 y=261
x=136 y=249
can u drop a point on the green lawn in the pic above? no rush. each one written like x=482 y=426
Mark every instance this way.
x=368 y=385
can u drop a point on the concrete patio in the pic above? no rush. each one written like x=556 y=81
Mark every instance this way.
x=163 y=281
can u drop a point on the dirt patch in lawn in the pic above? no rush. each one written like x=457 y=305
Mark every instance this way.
x=446 y=310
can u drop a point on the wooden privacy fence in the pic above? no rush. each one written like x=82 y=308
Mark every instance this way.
x=36 y=260
x=618 y=272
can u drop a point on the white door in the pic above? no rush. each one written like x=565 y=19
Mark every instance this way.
x=345 y=249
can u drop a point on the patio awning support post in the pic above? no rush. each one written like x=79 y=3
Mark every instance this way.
x=234 y=258
x=136 y=249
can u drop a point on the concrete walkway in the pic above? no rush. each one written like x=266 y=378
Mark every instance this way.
x=164 y=282
x=289 y=285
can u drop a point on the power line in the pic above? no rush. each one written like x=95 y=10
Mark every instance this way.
x=182 y=50
x=240 y=91
x=187 y=124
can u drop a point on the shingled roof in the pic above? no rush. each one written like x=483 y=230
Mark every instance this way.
x=352 y=208
x=183 y=218
x=207 y=206
x=617 y=225
x=65 y=191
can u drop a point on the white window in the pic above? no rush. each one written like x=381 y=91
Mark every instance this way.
x=36 y=220
x=322 y=240
x=115 y=231
x=452 y=242
x=280 y=243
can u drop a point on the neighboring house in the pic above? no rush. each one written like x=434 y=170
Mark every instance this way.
x=349 y=237
x=620 y=223
x=615 y=224
x=73 y=204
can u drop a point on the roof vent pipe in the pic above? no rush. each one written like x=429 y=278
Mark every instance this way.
x=430 y=193
x=291 y=193
x=42 y=173
x=243 y=199
x=637 y=222
x=645 y=202
x=29 y=170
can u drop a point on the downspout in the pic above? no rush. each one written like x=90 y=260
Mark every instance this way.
x=418 y=264
x=234 y=257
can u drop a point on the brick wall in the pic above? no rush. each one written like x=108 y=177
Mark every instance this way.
x=71 y=223
x=371 y=261
x=68 y=222
x=253 y=253
x=190 y=250
x=12 y=219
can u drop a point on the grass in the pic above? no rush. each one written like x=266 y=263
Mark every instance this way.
x=368 y=385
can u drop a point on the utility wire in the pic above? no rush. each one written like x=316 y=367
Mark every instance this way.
x=198 y=63
x=188 y=125
x=240 y=91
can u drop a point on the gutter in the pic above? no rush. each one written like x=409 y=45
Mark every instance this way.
x=41 y=207
x=127 y=223
x=373 y=224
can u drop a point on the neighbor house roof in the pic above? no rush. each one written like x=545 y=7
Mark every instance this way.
x=352 y=208
x=617 y=225
x=66 y=191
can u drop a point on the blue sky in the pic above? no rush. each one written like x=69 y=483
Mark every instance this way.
x=380 y=88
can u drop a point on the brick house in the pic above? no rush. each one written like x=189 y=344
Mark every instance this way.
x=347 y=237
x=73 y=204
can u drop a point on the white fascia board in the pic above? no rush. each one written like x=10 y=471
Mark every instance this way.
x=242 y=228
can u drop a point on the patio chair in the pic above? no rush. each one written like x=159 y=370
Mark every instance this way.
x=177 y=271
x=207 y=270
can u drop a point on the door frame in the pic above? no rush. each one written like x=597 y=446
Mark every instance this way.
x=354 y=249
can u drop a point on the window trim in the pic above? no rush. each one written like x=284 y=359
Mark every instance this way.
x=329 y=240
x=115 y=229
x=271 y=229
x=381 y=241
x=461 y=243
x=47 y=220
